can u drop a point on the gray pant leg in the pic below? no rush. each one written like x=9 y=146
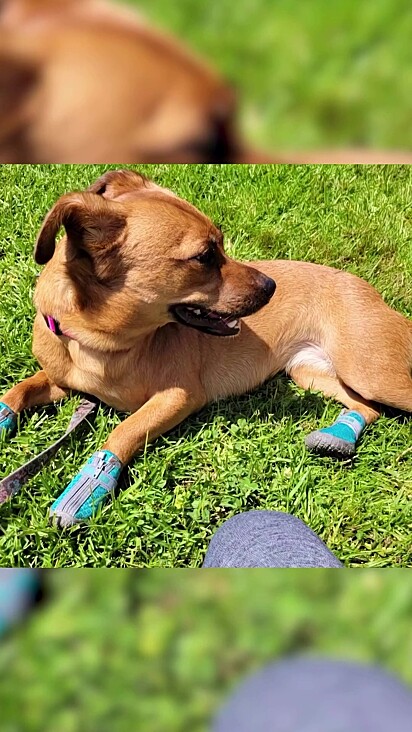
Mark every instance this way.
x=267 y=539
x=317 y=695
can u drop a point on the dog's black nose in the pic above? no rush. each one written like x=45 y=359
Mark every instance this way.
x=268 y=286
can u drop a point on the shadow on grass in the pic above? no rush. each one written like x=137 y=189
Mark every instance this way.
x=278 y=397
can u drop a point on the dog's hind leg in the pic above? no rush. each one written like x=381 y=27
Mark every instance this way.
x=375 y=360
x=392 y=388
x=34 y=391
x=338 y=440
x=402 y=397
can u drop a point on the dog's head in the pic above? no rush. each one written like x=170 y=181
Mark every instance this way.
x=139 y=257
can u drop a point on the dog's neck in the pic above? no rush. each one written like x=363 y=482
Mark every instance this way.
x=54 y=326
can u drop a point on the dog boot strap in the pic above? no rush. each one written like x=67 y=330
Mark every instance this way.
x=348 y=426
x=88 y=489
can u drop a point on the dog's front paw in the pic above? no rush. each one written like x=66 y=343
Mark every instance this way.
x=8 y=420
x=95 y=482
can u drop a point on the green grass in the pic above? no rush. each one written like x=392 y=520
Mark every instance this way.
x=159 y=651
x=239 y=454
x=309 y=74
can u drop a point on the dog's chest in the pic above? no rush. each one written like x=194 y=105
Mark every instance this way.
x=108 y=377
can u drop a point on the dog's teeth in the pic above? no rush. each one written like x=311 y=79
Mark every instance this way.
x=232 y=324
x=198 y=312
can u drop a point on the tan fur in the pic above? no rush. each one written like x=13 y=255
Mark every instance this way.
x=106 y=88
x=87 y=81
x=126 y=257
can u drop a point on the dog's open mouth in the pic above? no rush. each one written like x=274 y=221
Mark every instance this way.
x=208 y=321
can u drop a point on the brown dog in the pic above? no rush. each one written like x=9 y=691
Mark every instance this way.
x=87 y=81
x=140 y=288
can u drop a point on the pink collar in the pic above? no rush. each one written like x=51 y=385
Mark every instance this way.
x=54 y=326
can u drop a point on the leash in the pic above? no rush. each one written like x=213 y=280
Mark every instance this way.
x=11 y=485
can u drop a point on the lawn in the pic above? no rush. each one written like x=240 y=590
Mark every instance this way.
x=242 y=453
x=309 y=75
x=159 y=651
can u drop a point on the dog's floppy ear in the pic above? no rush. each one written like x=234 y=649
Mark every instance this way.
x=92 y=224
x=116 y=182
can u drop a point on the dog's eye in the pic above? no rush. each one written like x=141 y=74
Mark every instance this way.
x=207 y=258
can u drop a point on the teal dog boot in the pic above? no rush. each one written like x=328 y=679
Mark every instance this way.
x=19 y=589
x=8 y=420
x=96 y=481
x=338 y=440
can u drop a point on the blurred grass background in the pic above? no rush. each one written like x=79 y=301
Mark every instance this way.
x=242 y=453
x=159 y=651
x=309 y=75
